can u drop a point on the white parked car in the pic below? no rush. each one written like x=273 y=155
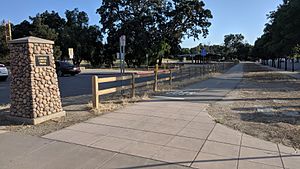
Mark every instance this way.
x=3 y=72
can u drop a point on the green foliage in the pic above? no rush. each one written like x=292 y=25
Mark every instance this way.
x=296 y=51
x=152 y=27
x=74 y=32
x=185 y=51
x=4 y=51
x=282 y=33
x=234 y=47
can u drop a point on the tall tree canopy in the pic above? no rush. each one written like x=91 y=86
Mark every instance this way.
x=72 y=32
x=148 y=24
x=282 y=33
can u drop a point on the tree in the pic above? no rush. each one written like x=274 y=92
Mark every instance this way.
x=4 y=51
x=77 y=34
x=36 y=28
x=148 y=24
x=22 y=30
x=232 y=42
x=185 y=51
x=281 y=34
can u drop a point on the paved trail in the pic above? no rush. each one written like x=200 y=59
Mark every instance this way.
x=170 y=131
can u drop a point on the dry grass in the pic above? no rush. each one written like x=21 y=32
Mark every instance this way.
x=265 y=104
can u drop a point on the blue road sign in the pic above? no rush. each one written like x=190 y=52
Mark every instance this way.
x=203 y=53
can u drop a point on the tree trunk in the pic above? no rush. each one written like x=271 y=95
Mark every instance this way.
x=293 y=64
x=285 y=64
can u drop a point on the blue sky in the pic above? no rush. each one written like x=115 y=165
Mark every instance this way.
x=230 y=16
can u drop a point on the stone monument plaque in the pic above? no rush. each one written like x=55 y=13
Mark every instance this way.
x=35 y=95
x=42 y=60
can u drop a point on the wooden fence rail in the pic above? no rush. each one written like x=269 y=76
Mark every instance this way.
x=170 y=76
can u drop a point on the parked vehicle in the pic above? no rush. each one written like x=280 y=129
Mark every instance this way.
x=3 y=72
x=63 y=68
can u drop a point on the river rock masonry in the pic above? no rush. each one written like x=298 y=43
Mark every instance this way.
x=35 y=96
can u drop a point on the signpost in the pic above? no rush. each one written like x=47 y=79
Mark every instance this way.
x=71 y=53
x=203 y=54
x=122 y=53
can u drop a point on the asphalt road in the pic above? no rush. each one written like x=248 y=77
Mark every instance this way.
x=72 y=85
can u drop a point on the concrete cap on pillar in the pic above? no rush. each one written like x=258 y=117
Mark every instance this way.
x=31 y=39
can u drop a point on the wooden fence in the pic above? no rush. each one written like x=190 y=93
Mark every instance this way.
x=169 y=76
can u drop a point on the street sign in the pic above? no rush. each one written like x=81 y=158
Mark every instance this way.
x=71 y=53
x=122 y=53
x=123 y=40
x=203 y=53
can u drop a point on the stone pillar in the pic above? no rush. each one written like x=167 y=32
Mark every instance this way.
x=35 y=96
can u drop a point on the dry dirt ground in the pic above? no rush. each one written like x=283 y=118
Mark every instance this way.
x=265 y=104
x=79 y=108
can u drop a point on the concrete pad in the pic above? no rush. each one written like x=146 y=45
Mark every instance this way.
x=76 y=137
x=126 y=161
x=210 y=161
x=174 y=122
x=127 y=133
x=201 y=126
x=113 y=122
x=221 y=149
x=91 y=128
x=112 y=143
x=253 y=142
x=156 y=138
x=153 y=119
x=260 y=156
x=147 y=126
x=163 y=165
x=123 y=116
x=177 y=156
x=194 y=133
x=105 y=121
x=291 y=161
x=168 y=129
x=64 y=156
x=142 y=149
x=186 y=143
x=203 y=119
x=225 y=135
x=287 y=150
x=251 y=165
x=182 y=117
x=14 y=146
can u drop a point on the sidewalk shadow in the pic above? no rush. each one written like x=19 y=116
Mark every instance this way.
x=182 y=163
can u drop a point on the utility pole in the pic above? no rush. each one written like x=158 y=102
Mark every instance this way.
x=7 y=28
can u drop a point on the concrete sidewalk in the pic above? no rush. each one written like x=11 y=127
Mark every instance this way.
x=169 y=131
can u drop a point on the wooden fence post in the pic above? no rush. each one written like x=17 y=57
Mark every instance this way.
x=95 y=88
x=132 y=85
x=155 y=78
x=171 y=77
